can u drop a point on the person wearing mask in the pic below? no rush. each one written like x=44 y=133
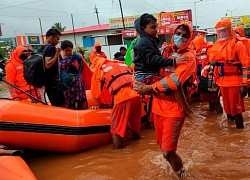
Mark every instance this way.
x=232 y=62
x=51 y=53
x=14 y=75
x=97 y=52
x=169 y=114
x=71 y=66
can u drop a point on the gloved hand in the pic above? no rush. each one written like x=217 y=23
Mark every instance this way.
x=243 y=91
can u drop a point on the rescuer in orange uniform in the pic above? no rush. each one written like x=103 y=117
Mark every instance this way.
x=230 y=56
x=169 y=115
x=114 y=79
x=240 y=32
x=14 y=75
x=202 y=47
x=97 y=52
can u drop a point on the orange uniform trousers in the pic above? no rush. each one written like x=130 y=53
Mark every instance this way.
x=168 y=130
x=126 y=113
x=232 y=102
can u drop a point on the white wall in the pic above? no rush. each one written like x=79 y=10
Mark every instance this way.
x=99 y=36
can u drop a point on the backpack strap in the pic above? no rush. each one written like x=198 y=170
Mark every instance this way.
x=116 y=77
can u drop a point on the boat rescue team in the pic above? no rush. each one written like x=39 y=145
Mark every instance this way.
x=187 y=63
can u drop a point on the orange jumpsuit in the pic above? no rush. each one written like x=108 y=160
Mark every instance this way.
x=14 y=75
x=202 y=48
x=95 y=54
x=169 y=115
x=233 y=67
x=125 y=101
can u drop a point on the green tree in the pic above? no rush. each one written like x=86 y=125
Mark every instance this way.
x=58 y=26
x=84 y=52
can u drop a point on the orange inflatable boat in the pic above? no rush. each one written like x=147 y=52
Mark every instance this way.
x=14 y=167
x=37 y=126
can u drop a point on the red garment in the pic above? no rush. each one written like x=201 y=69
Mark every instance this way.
x=124 y=115
x=168 y=131
x=232 y=102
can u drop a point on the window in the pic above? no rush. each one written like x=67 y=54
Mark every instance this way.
x=114 y=40
x=88 y=41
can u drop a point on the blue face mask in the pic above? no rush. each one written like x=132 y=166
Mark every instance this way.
x=178 y=40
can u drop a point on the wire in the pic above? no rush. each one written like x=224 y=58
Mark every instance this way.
x=21 y=4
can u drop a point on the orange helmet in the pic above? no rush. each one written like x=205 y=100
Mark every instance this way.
x=224 y=29
x=240 y=30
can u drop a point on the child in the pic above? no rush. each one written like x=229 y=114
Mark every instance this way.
x=147 y=56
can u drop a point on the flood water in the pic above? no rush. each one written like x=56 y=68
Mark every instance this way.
x=211 y=149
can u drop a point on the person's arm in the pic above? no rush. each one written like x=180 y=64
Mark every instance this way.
x=49 y=60
x=177 y=78
x=11 y=77
x=241 y=52
x=152 y=58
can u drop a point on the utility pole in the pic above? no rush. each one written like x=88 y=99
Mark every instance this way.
x=122 y=15
x=96 y=11
x=195 y=12
x=73 y=29
x=41 y=29
x=231 y=11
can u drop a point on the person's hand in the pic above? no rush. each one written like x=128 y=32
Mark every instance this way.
x=94 y=107
x=181 y=59
x=142 y=88
x=58 y=50
x=164 y=45
x=243 y=91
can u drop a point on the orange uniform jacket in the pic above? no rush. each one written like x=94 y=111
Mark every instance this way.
x=168 y=106
x=103 y=95
x=235 y=50
x=14 y=75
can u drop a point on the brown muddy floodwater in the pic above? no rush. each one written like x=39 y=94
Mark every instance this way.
x=211 y=149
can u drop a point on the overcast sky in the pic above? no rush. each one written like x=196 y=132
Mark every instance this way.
x=22 y=16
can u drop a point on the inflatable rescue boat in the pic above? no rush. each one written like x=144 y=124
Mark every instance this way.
x=14 y=167
x=36 y=126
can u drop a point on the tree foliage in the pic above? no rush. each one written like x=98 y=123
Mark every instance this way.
x=58 y=26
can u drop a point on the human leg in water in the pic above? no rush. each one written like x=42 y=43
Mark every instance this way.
x=117 y=141
x=239 y=121
x=180 y=97
x=230 y=117
x=175 y=161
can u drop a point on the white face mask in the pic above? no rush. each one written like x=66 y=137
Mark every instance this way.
x=178 y=40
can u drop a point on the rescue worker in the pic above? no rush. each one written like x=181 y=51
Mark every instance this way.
x=169 y=115
x=14 y=75
x=240 y=33
x=232 y=67
x=97 y=52
x=113 y=79
x=202 y=47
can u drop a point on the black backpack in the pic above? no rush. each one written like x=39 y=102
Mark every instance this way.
x=34 y=69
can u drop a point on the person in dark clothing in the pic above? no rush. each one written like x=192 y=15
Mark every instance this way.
x=120 y=55
x=147 y=56
x=52 y=85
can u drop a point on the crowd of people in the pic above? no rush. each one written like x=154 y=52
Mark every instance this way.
x=188 y=65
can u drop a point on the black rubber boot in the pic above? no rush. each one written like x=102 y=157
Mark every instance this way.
x=239 y=121
x=211 y=106
x=218 y=108
x=230 y=117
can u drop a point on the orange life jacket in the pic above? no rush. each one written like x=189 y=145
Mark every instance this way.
x=19 y=81
x=116 y=75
